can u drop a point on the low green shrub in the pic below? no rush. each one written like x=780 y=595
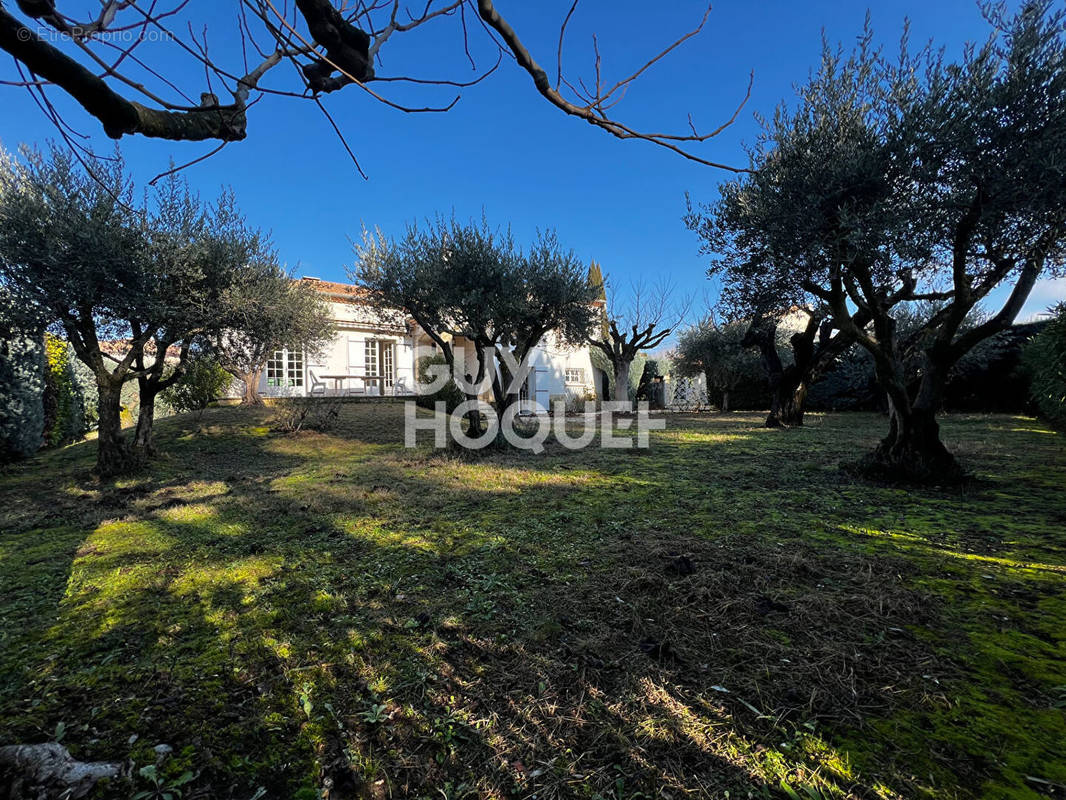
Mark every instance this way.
x=204 y=380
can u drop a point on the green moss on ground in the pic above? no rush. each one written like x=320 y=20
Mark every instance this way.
x=294 y=613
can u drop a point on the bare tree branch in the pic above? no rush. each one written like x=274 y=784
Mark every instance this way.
x=593 y=111
x=330 y=43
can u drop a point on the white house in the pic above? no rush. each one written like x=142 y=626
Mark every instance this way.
x=374 y=353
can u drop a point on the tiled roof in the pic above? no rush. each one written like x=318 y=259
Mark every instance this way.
x=119 y=348
x=337 y=291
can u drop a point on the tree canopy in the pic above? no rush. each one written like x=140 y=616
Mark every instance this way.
x=719 y=351
x=472 y=282
x=125 y=279
x=262 y=311
x=903 y=179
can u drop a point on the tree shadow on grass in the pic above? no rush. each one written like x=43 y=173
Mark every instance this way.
x=320 y=611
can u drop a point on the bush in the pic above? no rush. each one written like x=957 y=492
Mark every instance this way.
x=850 y=384
x=64 y=409
x=990 y=377
x=22 y=368
x=204 y=380
x=450 y=394
x=295 y=414
x=1044 y=358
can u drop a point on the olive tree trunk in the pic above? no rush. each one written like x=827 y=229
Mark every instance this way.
x=143 y=447
x=790 y=402
x=621 y=380
x=250 y=396
x=113 y=455
x=912 y=449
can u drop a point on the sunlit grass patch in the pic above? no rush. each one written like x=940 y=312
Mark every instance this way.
x=724 y=612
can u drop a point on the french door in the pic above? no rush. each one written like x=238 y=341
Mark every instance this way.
x=379 y=360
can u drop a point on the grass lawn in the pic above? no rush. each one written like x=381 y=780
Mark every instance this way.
x=723 y=612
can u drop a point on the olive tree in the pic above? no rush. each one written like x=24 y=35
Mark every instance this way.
x=548 y=292
x=812 y=351
x=125 y=282
x=264 y=310
x=907 y=179
x=71 y=245
x=469 y=283
x=197 y=254
x=446 y=276
x=720 y=352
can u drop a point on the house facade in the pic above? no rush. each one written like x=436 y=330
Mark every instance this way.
x=375 y=353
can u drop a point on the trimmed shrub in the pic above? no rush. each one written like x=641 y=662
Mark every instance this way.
x=990 y=378
x=22 y=370
x=850 y=384
x=1044 y=358
x=204 y=380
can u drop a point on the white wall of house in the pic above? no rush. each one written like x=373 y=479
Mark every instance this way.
x=368 y=356
x=356 y=361
x=561 y=371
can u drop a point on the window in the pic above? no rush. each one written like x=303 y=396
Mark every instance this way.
x=381 y=361
x=295 y=369
x=387 y=364
x=575 y=375
x=285 y=368
x=276 y=368
x=371 y=360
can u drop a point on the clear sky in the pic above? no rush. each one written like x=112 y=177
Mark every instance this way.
x=503 y=149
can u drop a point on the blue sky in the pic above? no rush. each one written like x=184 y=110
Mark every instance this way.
x=504 y=150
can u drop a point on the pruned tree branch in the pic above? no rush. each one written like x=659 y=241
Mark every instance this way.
x=330 y=44
x=596 y=103
x=119 y=115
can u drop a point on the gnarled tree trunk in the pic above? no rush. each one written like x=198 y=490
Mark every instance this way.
x=791 y=400
x=763 y=334
x=113 y=455
x=250 y=396
x=912 y=450
x=788 y=384
x=143 y=448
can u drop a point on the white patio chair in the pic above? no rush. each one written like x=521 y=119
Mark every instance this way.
x=317 y=387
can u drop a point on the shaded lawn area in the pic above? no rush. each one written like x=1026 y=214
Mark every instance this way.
x=723 y=612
